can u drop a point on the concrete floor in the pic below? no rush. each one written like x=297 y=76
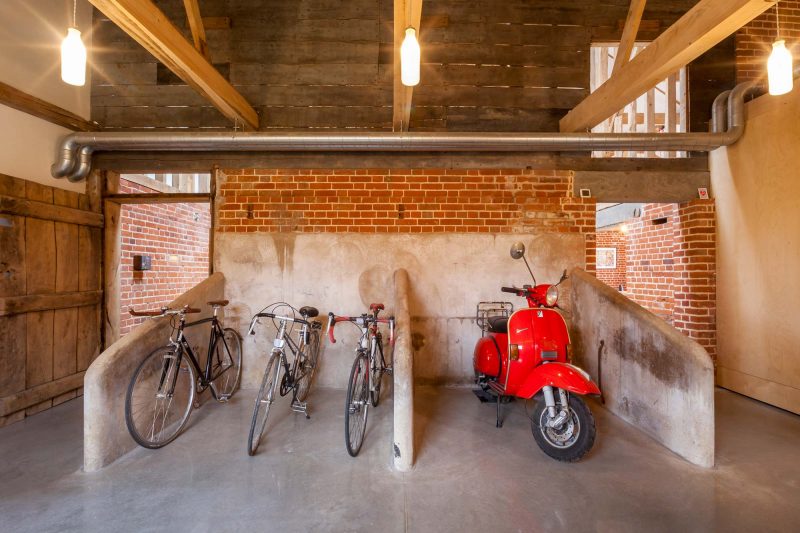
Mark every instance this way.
x=469 y=475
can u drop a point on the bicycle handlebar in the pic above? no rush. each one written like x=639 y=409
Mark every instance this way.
x=366 y=320
x=251 y=331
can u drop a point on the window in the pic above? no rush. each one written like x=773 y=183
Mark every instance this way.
x=661 y=109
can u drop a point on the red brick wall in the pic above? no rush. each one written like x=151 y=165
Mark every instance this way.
x=176 y=243
x=651 y=259
x=754 y=41
x=404 y=201
x=615 y=277
x=695 y=273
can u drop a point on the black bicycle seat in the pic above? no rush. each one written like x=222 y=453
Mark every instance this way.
x=308 y=311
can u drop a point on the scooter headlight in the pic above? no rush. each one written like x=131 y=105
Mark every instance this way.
x=552 y=295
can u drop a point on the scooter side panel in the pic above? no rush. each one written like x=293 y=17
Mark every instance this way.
x=487 y=357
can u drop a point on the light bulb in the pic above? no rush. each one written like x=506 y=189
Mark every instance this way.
x=409 y=59
x=73 y=58
x=779 y=69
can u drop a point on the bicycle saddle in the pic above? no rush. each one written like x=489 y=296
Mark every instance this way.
x=308 y=311
x=379 y=307
x=220 y=303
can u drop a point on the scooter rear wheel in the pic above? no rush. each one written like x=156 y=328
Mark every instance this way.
x=572 y=439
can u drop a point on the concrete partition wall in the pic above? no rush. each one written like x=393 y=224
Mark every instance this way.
x=105 y=436
x=345 y=272
x=403 y=374
x=651 y=375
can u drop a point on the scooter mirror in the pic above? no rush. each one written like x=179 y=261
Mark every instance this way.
x=517 y=250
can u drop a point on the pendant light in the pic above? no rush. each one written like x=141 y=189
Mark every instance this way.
x=409 y=58
x=779 y=65
x=73 y=54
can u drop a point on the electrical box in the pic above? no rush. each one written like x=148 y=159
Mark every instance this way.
x=141 y=262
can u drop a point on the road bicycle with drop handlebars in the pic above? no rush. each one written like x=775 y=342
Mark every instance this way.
x=366 y=375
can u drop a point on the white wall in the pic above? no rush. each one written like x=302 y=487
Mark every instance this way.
x=757 y=187
x=30 y=60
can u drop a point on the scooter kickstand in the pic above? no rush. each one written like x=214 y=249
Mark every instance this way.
x=499 y=422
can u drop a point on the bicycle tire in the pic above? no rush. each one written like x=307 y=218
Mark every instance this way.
x=357 y=405
x=149 y=413
x=307 y=365
x=266 y=395
x=226 y=368
x=376 y=369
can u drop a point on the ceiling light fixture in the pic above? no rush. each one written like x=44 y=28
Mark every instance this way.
x=779 y=65
x=73 y=54
x=409 y=58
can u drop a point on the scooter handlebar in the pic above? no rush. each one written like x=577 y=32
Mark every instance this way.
x=512 y=290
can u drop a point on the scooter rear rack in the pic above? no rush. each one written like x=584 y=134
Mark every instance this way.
x=486 y=310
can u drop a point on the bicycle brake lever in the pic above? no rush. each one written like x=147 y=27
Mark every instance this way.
x=253 y=322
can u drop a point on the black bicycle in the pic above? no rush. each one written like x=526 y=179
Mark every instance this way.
x=163 y=389
x=297 y=375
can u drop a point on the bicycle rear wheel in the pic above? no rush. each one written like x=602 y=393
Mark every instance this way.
x=160 y=397
x=226 y=365
x=266 y=395
x=307 y=365
x=355 y=410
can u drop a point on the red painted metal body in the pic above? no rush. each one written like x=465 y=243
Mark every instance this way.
x=533 y=354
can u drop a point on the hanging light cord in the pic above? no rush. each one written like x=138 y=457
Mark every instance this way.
x=75 y=14
x=777 y=21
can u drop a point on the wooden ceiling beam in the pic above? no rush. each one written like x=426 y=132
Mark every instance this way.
x=27 y=103
x=406 y=13
x=148 y=25
x=196 y=26
x=629 y=33
x=704 y=26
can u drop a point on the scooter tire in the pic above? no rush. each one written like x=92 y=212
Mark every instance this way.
x=584 y=441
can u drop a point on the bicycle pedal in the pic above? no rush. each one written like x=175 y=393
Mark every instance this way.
x=388 y=370
x=224 y=398
x=300 y=407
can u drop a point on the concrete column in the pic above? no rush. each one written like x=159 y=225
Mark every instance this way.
x=403 y=364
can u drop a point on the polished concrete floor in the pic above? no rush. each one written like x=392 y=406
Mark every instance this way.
x=469 y=475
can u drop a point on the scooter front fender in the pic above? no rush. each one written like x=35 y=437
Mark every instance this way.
x=559 y=375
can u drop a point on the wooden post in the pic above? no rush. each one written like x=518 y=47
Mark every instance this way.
x=111 y=261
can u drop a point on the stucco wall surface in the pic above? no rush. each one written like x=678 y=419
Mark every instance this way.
x=651 y=375
x=757 y=186
x=344 y=273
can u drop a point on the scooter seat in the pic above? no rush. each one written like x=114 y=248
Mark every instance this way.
x=498 y=324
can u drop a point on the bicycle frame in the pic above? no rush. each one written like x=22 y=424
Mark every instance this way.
x=182 y=346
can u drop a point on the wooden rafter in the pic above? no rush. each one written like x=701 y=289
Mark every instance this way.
x=196 y=25
x=705 y=25
x=628 y=40
x=406 y=13
x=148 y=25
x=22 y=101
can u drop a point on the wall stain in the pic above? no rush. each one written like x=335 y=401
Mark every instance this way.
x=667 y=364
x=284 y=249
x=417 y=341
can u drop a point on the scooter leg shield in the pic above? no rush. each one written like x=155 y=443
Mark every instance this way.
x=559 y=375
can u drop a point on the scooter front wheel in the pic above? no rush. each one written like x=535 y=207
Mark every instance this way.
x=571 y=439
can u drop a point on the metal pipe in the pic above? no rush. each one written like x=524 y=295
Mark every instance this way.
x=719 y=112
x=82 y=145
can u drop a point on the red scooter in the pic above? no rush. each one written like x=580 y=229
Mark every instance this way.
x=526 y=354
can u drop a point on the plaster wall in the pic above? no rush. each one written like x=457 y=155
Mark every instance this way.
x=345 y=272
x=31 y=32
x=757 y=186
x=651 y=375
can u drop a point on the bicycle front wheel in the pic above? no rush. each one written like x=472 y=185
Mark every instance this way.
x=355 y=413
x=376 y=370
x=226 y=365
x=308 y=365
x=160 y=397
x=266 y=395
